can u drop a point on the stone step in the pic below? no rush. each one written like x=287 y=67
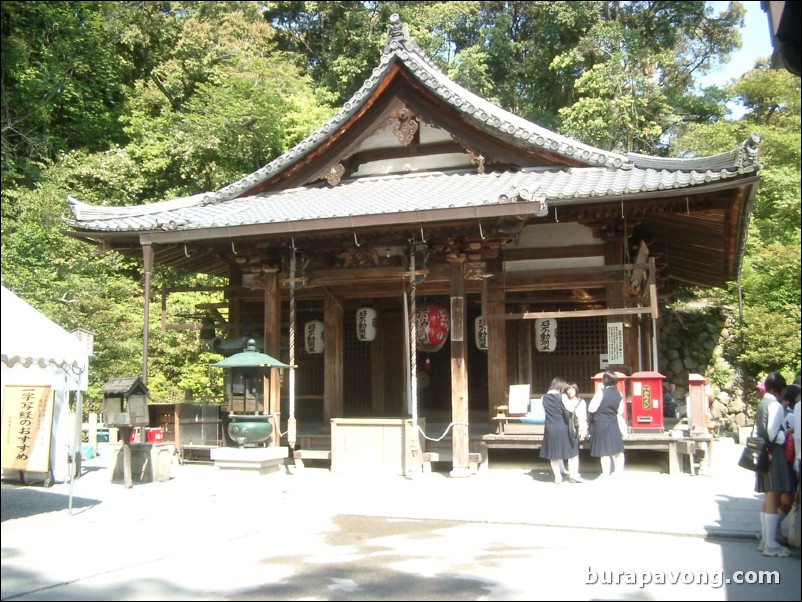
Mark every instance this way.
x=447 y=455
x=299 y=455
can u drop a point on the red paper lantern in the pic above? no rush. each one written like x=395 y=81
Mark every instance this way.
x=432 y=323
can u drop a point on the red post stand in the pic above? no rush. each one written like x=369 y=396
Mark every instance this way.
x=647 y=400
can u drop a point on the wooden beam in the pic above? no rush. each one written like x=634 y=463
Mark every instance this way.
x=553 y=280
x=579 y=313
x=350 y=276
x=553 y=252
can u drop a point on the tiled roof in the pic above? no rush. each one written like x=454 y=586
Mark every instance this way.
x=401 y=194
x=606 y=173
x=122 y=386
x=400 y=48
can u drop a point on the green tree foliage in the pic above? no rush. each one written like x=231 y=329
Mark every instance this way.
x=61 y=83
x=221 y=105
x=180 y=361
x=339 y=41
x=635 y=69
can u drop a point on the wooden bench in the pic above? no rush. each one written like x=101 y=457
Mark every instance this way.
x=447 y=455
x=515 y=425
x=676 y=448
x=299 y=455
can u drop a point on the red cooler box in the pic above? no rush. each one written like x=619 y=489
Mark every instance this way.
x=154 y=435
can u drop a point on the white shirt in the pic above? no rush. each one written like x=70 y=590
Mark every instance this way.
x=797 y=434
x=775 y=418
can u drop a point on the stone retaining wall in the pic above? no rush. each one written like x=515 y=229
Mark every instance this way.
x=699 y=339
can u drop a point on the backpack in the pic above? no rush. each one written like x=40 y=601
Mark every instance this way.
x=572 y=420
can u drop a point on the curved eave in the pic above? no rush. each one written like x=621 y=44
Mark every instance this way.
x=363 y=202
x=701 y=232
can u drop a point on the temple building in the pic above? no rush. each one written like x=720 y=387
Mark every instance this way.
x=427 y=249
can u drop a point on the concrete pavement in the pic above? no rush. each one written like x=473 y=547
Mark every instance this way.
x=506 y=533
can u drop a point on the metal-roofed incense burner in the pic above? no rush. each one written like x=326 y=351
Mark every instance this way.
x=246 y=379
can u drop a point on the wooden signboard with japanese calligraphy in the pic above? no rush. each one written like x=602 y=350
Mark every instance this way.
x=27 y=423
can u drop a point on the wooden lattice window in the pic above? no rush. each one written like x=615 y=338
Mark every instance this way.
x=580 y=341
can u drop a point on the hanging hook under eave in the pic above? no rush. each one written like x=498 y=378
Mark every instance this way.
x=185 y=250
x=233 y=250
x=356 y=241
x=556 y=217
x=481 y=233
x=687 y=206
x=422 y=237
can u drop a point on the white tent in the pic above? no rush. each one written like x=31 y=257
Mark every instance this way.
x=37 y=351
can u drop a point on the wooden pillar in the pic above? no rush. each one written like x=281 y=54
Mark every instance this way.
x=272 y=334
x=234 y=309
x=128 y=475
x=459 y=371
x=147 y=256
x=493 y=310
x=333 y=359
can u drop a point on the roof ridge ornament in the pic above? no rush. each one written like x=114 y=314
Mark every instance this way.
x=399 y=41
x=747 y=157
x=397 y=36
x=397 y=29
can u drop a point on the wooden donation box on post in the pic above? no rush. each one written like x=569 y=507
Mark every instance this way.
x=392 y=446
x=647 y=401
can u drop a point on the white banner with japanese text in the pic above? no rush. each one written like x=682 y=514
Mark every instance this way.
x=27 y=424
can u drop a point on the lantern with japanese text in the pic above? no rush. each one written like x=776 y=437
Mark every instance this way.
x=366 y=322
x=480 y=333
x=313 y=336
x=546 y=335
x=432 y=323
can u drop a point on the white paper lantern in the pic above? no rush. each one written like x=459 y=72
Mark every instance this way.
x=546 y=335
x=313 y=336
x=366 y=322
x=480 y=333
